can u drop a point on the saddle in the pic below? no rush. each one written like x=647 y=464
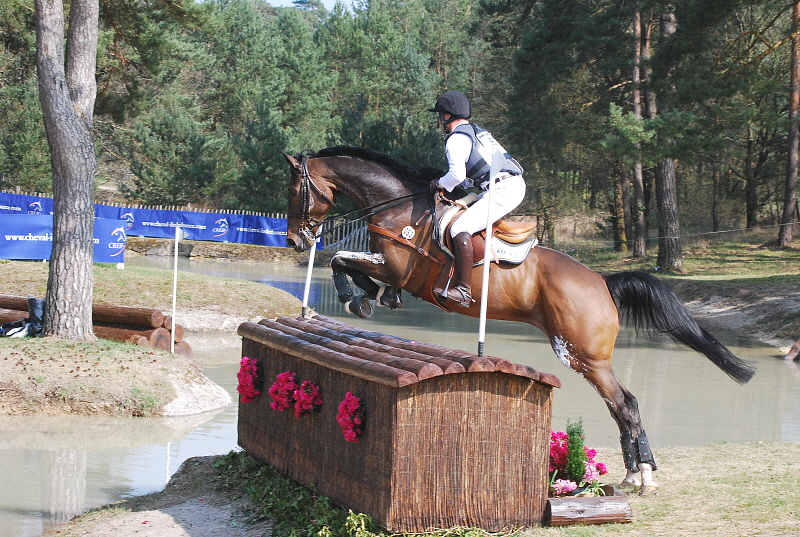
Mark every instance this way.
x=511 y=241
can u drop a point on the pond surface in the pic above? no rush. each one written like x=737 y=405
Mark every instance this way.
x=52 y=468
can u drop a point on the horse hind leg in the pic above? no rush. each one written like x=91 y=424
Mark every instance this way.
x=636 y=453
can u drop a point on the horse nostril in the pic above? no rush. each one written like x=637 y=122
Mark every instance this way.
x=290 y=243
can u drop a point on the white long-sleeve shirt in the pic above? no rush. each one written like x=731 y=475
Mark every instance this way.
x=457 y=150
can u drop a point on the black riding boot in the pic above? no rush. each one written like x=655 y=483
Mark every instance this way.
x=462 y=249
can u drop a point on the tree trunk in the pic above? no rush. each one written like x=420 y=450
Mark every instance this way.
x=715 y=178
x=750 y=185
x=619 y=205
x=67 y=90
x=786 y=233
x=638 y=209
x=670 y=257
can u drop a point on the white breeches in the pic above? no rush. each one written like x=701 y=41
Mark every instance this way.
x=506 y=195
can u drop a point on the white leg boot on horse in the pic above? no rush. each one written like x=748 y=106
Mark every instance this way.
x=640 y=465
x=461 y=293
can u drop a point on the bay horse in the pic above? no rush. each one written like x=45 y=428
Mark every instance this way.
x=578 y=309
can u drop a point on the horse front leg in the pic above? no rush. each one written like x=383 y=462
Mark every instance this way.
x=359 y=266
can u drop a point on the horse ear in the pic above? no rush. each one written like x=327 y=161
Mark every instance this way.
x=293 y=162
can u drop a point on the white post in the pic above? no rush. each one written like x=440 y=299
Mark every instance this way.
x=311 y=254
x=179 y=234
x=497 y=161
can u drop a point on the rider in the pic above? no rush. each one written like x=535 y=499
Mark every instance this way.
x=469 y=149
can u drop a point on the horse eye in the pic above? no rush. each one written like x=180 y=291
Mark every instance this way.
x=293 y=191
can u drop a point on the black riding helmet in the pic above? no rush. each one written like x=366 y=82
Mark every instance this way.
x=454 y=103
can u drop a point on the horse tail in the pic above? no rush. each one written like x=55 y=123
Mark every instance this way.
x=647 y=304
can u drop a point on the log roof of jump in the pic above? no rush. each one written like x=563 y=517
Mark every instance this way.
x=374 y=356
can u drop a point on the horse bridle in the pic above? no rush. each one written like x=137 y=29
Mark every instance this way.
x=309 y=226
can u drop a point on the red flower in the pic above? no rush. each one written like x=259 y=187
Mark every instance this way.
x=306 y=399
x=282 y=391
x=349 y=417
x=248 y=376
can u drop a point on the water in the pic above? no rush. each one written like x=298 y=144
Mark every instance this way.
x=55 y=467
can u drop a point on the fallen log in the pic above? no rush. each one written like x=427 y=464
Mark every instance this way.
x=184 y=349
x=14 y=303
x=177 y=332
x=127 y=316
x=103 y=313
x=158 y=338
x=11 y=315
x=570 y=510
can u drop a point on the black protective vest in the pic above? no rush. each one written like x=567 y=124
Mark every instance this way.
x=479 y=162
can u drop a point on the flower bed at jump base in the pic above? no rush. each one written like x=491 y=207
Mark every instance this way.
x=415 y=435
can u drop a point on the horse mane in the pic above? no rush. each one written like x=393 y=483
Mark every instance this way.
x=411 y=175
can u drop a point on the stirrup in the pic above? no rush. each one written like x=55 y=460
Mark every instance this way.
x=465 y=299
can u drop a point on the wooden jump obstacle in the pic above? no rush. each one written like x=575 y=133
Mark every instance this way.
x=140 y=326
x=449 y=438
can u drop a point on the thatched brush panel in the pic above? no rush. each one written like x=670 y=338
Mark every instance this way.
x=465 y=446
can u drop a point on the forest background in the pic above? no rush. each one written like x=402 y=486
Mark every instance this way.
x=625 y=111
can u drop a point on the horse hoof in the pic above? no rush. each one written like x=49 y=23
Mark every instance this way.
x=628 y=486
x=648 y=490
x=361 y=306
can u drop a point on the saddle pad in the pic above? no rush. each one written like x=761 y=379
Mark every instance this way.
x=510 y=253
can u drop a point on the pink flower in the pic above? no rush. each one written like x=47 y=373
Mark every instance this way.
x=591 y=475
x=349 y=417
x=248 y=376
x=307 y=398
x=282 y=391
x=562 y=486
x=558 y=461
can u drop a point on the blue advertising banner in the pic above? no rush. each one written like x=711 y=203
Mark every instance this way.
x=22 y=204
x=30 y=236
x=219 y=227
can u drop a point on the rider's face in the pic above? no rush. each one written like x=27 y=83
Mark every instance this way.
x=443 y=122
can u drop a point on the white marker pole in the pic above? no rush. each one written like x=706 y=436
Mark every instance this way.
x=308 y=273
x=497 y=162
x=179 y=234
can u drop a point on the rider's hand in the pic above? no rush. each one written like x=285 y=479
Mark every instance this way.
x=434 y=187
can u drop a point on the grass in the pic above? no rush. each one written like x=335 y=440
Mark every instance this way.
x=724 y=489
x=152 y=288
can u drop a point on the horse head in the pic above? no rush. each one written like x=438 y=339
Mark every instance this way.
x=371 y=180
x=310 y=199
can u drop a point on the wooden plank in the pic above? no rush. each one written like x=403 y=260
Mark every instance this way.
x=587 y=510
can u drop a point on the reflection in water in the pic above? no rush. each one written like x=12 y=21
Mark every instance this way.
x=53 y=468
